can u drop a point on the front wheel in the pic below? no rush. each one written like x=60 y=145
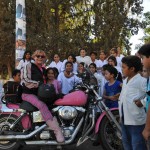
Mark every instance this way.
x=110 y=137
x=5 y=122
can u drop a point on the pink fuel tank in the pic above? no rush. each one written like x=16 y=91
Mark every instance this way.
x=76 y=98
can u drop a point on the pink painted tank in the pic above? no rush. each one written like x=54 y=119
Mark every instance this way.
x=76 y=98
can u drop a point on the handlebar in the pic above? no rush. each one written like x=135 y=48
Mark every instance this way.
x=86 y=86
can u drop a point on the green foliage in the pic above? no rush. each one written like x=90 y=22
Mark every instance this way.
x=7 y=36
x=146 y=20
x=64 y=26
x=59 y=26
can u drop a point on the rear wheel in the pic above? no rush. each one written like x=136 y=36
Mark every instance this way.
x=110 y=137
x=5 y=122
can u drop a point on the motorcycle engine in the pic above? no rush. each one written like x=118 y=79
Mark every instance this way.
x=67 y=112
x=69 y=116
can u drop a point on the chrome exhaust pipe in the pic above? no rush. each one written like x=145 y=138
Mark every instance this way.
x=40 y=142
x=45 y=142
x=21 y=137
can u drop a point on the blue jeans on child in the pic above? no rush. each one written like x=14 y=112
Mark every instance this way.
x=132 y=137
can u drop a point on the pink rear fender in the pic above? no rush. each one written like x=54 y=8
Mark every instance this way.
x=76 y=98
x=12 y=106
x=100 y=119
x=26 y=122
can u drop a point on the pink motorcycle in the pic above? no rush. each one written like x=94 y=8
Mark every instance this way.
x=76 y=113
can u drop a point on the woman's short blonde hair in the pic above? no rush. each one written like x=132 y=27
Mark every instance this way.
x=37 y=52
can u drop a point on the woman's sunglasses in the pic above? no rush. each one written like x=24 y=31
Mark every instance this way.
x=40 y=56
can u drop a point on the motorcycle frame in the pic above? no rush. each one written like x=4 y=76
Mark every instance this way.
x=9 y=112
x=19 y=113
x=105 y=112
x=101 y=117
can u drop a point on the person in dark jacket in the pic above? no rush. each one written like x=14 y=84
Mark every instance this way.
x=13 y=89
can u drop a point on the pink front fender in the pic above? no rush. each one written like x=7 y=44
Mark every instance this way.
x=100 y=119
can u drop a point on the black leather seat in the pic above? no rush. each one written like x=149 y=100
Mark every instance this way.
x=28 y=107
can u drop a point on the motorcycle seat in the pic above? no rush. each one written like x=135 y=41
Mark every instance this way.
x=28 y=107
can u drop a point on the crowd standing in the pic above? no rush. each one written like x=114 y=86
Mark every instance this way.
x=123 y=82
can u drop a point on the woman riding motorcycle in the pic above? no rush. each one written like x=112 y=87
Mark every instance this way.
x=33 y=76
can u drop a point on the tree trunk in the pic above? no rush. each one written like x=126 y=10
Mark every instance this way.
x=9 y=69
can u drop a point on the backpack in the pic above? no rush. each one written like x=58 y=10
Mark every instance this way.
x=12 y=92
x=47 y=93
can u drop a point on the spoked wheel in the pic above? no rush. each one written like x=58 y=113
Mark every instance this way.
x=5 y=122
x=110 y=137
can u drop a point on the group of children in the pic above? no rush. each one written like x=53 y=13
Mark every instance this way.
x=119 y=80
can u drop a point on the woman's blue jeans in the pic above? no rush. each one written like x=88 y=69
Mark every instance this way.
x=132 y=137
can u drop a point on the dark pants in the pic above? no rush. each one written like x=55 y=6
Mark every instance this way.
x=132 y=137
x=111 y=104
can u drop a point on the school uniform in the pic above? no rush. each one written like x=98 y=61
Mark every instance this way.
x=133 y=117
x=87 y=60
x=97 y=63
x=102 y=63
x=119 y=62
x=99 y=81
x=56 y=65
x=75 y=66
x=67 y=84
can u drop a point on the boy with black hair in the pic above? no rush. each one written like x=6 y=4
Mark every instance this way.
x=132 y=112
x=93 y=56
x=13 y=89
x=16 y=75
x=101 y=61
x=144 y=51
